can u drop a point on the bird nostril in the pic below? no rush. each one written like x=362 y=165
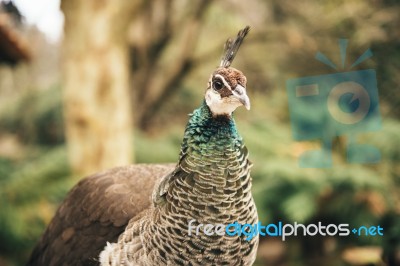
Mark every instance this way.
x=239 y=89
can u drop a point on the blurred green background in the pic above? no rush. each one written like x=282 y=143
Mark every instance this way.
x=171 y=48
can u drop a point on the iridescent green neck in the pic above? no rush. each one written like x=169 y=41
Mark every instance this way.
x=203 y=130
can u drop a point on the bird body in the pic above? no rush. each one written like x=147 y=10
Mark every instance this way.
x=95 y=211
x=140 y=215
x=211 y=185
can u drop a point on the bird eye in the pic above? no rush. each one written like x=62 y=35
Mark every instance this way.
x=217 y=84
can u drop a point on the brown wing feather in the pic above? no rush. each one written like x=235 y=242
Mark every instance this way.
x=95 y=211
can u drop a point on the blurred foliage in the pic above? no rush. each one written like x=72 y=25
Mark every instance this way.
x=35 y=117
x=285 y=37
x=30 y=192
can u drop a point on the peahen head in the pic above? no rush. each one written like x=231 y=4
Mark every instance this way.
x=226 y=89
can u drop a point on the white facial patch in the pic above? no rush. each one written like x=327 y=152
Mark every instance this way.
x=220 y=106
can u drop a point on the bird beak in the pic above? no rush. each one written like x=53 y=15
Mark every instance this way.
x=240 y=93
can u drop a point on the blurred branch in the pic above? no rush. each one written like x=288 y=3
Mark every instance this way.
x=156 y=16
x=147 y=56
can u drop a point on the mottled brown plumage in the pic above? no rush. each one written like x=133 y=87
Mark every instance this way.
x=95 y=211
x=204 y=188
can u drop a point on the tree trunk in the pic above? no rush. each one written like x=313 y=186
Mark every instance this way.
x=96 y=83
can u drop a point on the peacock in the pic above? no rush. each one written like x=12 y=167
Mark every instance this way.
x=140 y=214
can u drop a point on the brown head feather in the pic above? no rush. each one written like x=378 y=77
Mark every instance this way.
x=232 y=46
